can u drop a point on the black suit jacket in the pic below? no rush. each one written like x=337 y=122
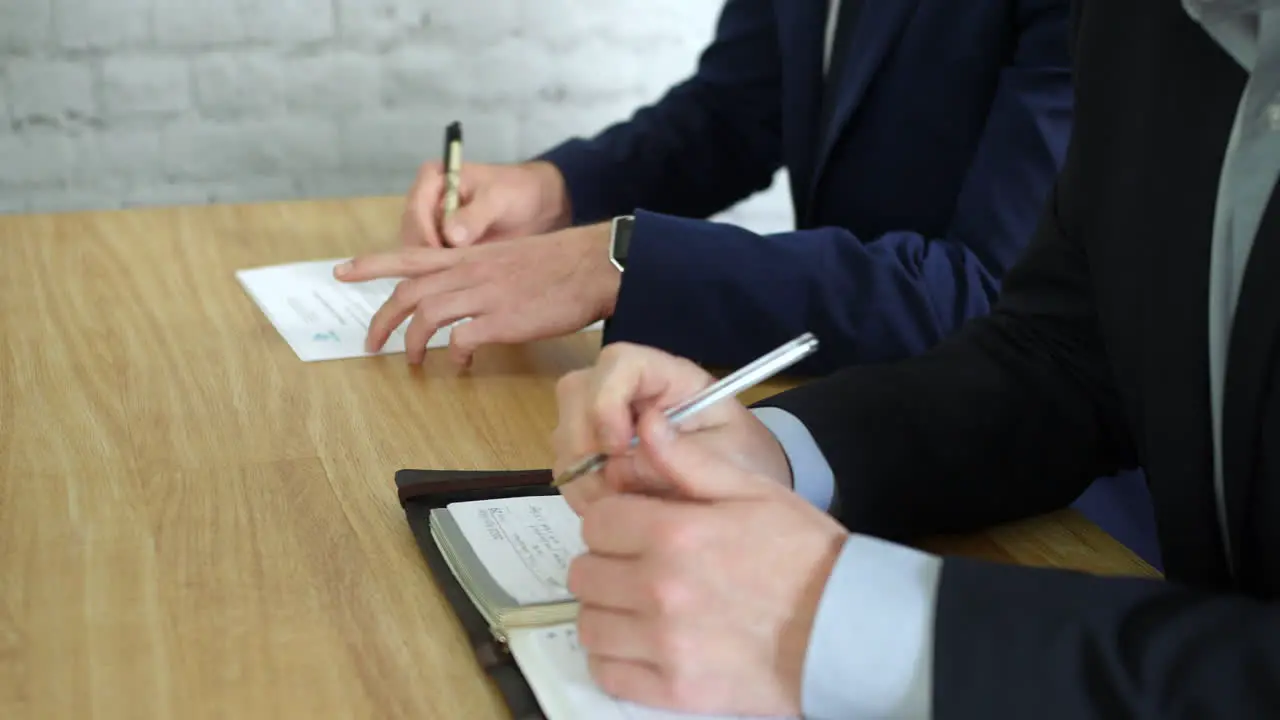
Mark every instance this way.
x=1095 y=360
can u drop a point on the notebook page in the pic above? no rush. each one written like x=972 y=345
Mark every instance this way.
x=526 y=544
x=556 y=669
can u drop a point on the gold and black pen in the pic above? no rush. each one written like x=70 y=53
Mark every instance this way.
x=452 y=168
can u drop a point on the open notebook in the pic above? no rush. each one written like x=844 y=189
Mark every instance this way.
x=511 y=556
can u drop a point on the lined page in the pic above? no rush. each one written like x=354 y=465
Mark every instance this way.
x=526 y=544
x=556 y=669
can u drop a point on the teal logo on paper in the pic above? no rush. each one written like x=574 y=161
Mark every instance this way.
x=330 y=336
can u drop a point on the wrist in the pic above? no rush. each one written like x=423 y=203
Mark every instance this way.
x=608 y=274
x=796 y=645
x=556 y=208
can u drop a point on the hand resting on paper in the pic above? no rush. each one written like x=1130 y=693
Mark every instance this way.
x=513 y=292
x=703 y=600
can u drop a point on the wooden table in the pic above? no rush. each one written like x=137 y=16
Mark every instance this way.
x=194 y=523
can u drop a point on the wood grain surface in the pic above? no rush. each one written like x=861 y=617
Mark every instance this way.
x=195 y=524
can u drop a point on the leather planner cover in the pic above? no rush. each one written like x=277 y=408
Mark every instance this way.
x=423 y=490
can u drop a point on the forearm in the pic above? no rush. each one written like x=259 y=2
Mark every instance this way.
x=706 y=144
x=722 y=295
x=661 y=159
x=988 y=427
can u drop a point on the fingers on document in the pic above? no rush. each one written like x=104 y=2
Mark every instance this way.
x=468 y=337
x=431 y=315
x=410 y=262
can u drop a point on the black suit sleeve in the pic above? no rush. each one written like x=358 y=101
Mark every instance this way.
x=1013 y=642
x=1011 y=417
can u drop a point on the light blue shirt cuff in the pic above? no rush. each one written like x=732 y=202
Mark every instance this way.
x=871 y=648
x=811 y=474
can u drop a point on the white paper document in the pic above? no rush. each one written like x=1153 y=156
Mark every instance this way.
x=526 y=544
x=556 y=668
x=322 y=318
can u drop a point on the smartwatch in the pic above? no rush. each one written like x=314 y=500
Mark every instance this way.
x=620 y=241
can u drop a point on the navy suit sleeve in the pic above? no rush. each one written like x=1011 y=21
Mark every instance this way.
x=722 y=295
x=706 y=144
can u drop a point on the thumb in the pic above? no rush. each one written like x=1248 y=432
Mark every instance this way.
x=471 y=222
x=694 y=470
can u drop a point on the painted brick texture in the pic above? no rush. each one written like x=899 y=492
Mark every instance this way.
x=119 y=103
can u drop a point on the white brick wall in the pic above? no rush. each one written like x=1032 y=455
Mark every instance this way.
x=117 y=103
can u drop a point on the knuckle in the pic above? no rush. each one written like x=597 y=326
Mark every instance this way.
x=575 y=579
x=570 y=384
x=669 y=595
x=575 y=498
x=465 y=337
x=605 y=675
x=601 y=408
x=592 y=523
x=602 y=514
x=677 y=536
x=404 y=292
x=613 y=351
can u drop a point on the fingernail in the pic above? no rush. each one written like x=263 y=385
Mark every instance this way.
x=343 y=268
x=457 y=234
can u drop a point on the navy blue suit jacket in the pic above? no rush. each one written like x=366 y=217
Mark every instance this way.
x=949 y=132
x=911 y=205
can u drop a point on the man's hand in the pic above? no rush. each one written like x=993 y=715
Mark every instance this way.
x=702 y=601
x=513 y=292
x=497 y=202
x=598 y=407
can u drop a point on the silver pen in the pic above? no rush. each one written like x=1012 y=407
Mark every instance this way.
x=753 y=374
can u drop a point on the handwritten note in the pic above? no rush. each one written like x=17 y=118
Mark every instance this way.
x=323 y=319
x=556 y=667
x=526 y=544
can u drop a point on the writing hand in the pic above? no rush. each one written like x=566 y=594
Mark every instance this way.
x=598 y=408
x=702 y=601
x=513 y=292
x=498 y=202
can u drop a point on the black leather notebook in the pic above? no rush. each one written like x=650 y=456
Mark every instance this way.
x=420 y=492
x=555 y=682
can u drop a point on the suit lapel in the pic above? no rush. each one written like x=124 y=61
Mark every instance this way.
x=878 y=28
x=1250 y=368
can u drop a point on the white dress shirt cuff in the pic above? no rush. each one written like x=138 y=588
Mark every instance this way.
x=811 y=475
x=870 y=651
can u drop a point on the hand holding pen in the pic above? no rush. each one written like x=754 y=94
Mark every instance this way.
x=454 y=203
x=602 y=408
